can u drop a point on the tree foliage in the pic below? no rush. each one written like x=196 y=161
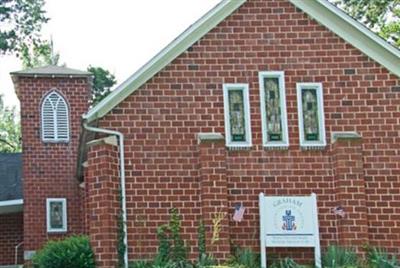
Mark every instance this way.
x=39 y=55
x=20 y=24
x=381 y=16
x=102 y=83
x=10 y=130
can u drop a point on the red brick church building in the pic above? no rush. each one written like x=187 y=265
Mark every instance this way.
x=283 y=97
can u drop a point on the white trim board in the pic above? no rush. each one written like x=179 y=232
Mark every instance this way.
x=321 y=10
x=11 y=206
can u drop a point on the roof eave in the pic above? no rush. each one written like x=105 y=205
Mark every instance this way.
x=11 y=206
x=15 y=74
x=163 y=58
x=353 y=32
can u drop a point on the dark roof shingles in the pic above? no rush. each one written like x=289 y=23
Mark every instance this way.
x=10 y=176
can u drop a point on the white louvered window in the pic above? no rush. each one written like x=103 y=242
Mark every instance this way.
x=55 y=121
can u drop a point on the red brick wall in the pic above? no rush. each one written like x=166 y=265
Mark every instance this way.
x=11 y=234
x=161 y=120
x=103 y=208
x=49 y=168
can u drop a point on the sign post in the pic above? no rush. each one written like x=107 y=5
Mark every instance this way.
x=289 y=221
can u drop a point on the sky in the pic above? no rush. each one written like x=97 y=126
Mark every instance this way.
x=118 y=35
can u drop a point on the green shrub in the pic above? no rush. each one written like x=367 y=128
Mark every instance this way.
x=74 y=252
x=171 y=248
x=140 y=264
x=285 y=263
x=205 y=261
x=164 y=245
x=244 y=258
x=378 y=258
x=338 y=257
x=201 y=231
x=178 y=249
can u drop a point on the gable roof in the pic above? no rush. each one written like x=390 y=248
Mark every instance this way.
x=322 y=11
x=10 y=176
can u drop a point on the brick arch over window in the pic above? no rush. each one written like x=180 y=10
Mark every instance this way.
x=55 y=118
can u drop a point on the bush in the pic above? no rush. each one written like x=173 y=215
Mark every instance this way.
x=285 y=263
x=338 y=257
x=74 y=252
x=378 y=258
x=244 y=258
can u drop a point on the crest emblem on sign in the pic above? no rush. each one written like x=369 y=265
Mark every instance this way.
x=289 y=223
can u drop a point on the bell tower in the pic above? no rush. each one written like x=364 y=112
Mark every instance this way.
x=52 y=101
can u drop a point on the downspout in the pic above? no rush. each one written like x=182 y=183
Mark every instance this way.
x=16 y=252
x=122 y=180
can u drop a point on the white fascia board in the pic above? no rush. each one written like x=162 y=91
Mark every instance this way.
x=353 y=32
x=163 y=58
x=11 y=202
x=11 y=206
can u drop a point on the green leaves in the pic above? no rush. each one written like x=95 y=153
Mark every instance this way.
x=244 y=258
x=20 y=24
x=285 y=263
x=74 y=252
x=10 y=130
x=164 y=244
x=178 y=246
x=38 y=55
x=102 y=83
x=378 y=258
x=201 y=230
x=338 y=257
x=381 y=16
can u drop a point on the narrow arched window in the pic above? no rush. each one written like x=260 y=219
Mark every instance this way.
x=55 y=121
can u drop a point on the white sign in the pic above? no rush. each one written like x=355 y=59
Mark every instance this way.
x=289 y=221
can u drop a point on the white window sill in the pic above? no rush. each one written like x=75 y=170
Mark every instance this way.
x=276 y=146
x=313 y=146
x=239 y=147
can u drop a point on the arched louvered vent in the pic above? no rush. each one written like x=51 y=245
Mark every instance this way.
x=55 y=122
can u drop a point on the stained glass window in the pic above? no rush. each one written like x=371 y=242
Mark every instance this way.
x=310 y=114
x=273 y=109
x=237 y=115
x=56 y=212
x=56 y=215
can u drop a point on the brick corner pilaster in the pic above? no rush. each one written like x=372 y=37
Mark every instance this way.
x=102 y=202
x=350 y=190
x=214 y=193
